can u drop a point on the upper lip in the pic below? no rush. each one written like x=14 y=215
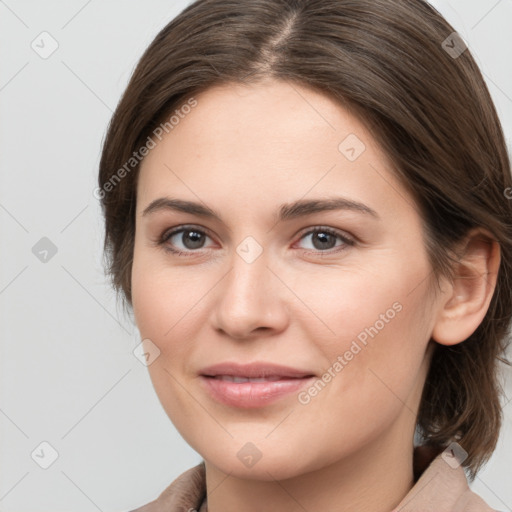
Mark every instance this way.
x=254 y=370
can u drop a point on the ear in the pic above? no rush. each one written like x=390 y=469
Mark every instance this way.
x=465 y=300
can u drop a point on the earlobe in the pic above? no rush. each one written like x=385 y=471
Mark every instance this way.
x=464 y=303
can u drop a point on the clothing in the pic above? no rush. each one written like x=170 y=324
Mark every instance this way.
x=438 y=487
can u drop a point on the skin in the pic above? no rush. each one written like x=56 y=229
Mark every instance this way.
x=243 y=152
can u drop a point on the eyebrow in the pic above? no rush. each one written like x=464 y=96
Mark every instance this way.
x=287 y=211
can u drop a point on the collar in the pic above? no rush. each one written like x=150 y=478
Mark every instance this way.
x=440 y=486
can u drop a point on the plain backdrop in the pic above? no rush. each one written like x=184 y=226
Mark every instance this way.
x=68 y=377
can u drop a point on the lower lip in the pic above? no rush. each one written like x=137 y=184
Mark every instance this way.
x=252 y=394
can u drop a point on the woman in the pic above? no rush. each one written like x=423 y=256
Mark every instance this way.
x=306 y=207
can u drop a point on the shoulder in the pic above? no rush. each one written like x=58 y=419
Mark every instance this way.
x=442 y=487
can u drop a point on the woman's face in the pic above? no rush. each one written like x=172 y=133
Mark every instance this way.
x=340 y=293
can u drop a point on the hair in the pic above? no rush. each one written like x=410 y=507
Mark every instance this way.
x=389 y=62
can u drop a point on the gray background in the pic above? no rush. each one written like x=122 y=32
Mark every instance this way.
x=68 y=376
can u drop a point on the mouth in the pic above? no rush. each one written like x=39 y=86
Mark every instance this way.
x=240 y=379
x=254 y=370
x=252 y=385
x=254 y=392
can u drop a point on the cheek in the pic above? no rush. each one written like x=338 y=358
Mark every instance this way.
x=356 y=303
x=148 y=297
x=167 y=304
x=164 y=313
x=374 y=366
x=374 y=332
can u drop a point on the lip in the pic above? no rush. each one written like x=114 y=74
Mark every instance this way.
x=254 y=370
x=282 y=381
x=249 y=395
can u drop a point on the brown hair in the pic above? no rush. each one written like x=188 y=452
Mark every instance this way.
x=401 y=68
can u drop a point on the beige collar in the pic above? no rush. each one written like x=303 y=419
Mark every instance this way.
x=442 y=487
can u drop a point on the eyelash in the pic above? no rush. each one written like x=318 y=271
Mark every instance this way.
x=347 y=241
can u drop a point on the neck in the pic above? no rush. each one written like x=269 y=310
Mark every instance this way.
x=375 y=479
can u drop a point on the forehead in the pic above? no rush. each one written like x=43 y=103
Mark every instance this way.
x=274 y=140
x=275 y=111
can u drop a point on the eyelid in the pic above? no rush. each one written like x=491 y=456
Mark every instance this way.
x=184 y=227
x=319 y=227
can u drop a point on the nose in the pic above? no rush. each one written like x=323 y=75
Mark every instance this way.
x=250 y=300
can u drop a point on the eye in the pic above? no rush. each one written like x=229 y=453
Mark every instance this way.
x=184 y=241
x=324 y=239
